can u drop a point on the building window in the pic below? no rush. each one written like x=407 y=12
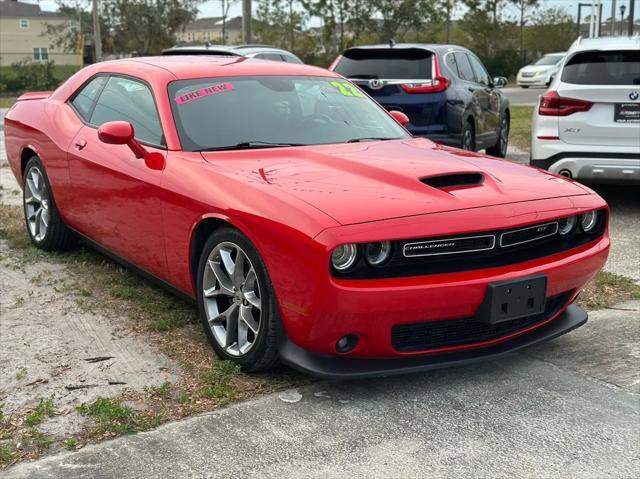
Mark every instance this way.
x=40 y=54
x=24 y=23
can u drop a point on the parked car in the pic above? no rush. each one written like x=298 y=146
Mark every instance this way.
x=304 y=221
x=587 y=125
x=541 y=72
x=444 y=90
x=261 y=52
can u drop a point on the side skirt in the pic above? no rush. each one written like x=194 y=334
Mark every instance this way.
x=183 y=295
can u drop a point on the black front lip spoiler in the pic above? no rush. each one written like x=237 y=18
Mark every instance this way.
x=341 y=367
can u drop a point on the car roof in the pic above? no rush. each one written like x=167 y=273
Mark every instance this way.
x=606 y=43
x=437 y=47
x=197 y=66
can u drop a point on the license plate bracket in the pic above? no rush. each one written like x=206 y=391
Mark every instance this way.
x=627 y=113
x=513 y=299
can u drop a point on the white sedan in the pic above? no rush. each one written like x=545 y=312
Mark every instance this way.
x=541 y=72
x=587 y=125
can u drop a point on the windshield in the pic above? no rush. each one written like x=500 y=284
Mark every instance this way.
x=549 y=60
x=271 y=111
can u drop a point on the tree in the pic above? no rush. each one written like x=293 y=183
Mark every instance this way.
x=553 y=29
x=226 y=5
x=143 y=27
x=279 y=21
x=524 y=6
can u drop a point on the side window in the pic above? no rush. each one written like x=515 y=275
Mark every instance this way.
x=464 y=67
x=481 y=73
x=290 y=59
x=124 y=99
x=450 y=61
x=86 y=97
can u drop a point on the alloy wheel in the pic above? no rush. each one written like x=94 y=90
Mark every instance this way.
x=36 y=204
x=232 y=301
x=467 y=140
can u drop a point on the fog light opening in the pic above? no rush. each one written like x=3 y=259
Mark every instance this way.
x=565 y=173
x=346 y=343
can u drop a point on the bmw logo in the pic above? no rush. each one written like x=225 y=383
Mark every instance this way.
x=633 y=96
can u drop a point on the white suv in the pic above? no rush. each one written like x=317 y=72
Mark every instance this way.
x=587 y=125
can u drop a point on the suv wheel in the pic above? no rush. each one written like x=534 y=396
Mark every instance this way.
x=500 y=148
x=468 y=137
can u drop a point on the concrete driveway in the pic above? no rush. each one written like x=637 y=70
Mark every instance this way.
x=569 y=408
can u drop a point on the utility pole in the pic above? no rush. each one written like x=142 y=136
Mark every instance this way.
x=246 y=21
x=97 y=39
x=632 y=12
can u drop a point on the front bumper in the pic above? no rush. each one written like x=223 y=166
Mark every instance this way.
x=539 y=81
x=346 y=367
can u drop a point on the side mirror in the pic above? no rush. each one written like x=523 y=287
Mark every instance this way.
x=121 y=133
x=500 y=82
x=399 y=117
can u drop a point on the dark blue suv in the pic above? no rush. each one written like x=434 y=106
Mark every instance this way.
x=444 y=90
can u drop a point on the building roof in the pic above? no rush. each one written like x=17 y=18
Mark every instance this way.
x=15 y=9
x=211 y=23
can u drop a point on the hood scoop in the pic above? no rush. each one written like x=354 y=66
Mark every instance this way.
x=454 y=181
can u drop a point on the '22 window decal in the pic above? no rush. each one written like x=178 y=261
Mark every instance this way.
x=347 y=89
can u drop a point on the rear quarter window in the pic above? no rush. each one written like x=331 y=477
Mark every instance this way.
x=603 y=68
x=397 y=64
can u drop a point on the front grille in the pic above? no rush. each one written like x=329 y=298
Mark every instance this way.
x=456 y=332
x=528 y=74
x=473 y=251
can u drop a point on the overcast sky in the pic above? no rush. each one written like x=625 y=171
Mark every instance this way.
x=212 y=8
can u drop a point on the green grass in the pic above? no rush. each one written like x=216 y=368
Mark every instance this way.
x=33 y=437
x=5 y=453
x=7 y=101
x=217 y=382
x=520 y=134
x=116 y=419
x=21 y=373
x=1 y=411
x=44 y=409
x=70 y=443
x=608 y=289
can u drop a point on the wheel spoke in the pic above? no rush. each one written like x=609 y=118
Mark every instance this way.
x=227 y=261
x=238 y=270
x=232 y=327
x=246 y=316
x=224 y=281
x=253 y=299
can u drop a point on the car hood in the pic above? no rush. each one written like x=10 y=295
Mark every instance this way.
x=362 y=182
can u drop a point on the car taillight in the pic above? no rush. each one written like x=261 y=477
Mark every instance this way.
x=552 y=104
x=437 y=85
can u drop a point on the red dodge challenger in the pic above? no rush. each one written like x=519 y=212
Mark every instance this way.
x=303 y=219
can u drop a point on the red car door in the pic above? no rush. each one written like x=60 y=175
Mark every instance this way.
x=117 y=198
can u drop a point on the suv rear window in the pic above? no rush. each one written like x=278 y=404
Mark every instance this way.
x=387 y=64
x=603 y=68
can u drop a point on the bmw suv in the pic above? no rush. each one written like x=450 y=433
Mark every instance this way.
x=587 y=125
x=444 y=90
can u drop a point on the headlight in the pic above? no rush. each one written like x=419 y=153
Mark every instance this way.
x=567 y=225
x=344 y=257
x=377 y=253
x=589 y=221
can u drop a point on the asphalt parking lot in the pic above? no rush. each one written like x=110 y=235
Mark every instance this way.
x=523 y=96
x=568 y=408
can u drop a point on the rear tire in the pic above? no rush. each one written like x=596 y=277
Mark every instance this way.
x=44 y=225
x=236 y=301
x=524 y=86
x=468 y=141
x=500 y=148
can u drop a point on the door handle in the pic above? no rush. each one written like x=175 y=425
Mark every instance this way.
x=81 y=143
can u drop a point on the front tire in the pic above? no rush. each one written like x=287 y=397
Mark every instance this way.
x=236 y=301
x=45 y=227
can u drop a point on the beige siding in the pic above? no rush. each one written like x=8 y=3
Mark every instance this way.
x=209 y=35
x=17 y=43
